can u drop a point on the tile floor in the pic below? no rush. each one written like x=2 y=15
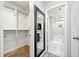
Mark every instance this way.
x=48 y=54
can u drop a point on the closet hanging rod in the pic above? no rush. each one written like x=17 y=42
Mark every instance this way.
x=17 y=9
x=22 y=11
x=10 y=6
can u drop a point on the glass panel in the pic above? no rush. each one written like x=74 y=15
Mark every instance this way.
x=40 y=42
x=39 y=32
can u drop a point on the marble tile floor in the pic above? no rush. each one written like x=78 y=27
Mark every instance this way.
x=48 y=54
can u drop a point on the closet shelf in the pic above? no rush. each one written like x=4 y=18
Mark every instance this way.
x=13 y=7
x=58 y=43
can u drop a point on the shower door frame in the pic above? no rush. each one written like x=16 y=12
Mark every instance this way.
x=67 y=50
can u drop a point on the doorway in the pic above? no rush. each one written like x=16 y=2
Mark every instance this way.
x=56 y=30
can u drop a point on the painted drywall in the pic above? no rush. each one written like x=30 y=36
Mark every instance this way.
x=48 y=4
x=0 y=44
x=40 y=5
x=1 y=32
x=23 y=21
x=12 y=42
x=31 y=29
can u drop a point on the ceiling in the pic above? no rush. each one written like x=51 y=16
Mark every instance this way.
x=22 y=4
x=57 y=12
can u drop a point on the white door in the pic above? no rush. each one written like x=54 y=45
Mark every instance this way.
x=75 y=29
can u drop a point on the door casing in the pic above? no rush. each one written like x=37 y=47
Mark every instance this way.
x=67 y=31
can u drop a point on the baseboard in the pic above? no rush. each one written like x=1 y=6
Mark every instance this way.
x=14 y=48
x=20 y=51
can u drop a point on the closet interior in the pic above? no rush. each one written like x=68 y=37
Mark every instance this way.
x=15 y=25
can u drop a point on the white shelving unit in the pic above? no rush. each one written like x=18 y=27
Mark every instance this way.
x=15 y=18
x=14 y=27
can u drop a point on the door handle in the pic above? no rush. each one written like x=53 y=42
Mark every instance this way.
x=77 y=38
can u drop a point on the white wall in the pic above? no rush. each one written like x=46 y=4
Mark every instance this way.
x=48 y=4
x=0 y=29
x=0 y=45
x=31 y=30
x=23 y=21
x=1 y=32
x=11 y=42
x=40 y=5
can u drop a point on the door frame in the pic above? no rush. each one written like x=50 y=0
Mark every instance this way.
x=74 y=34
x=67 y=28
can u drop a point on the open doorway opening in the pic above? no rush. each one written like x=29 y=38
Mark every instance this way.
x=56 y=30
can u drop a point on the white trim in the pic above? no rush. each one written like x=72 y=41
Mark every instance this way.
x=1 y=30
x=14 y=48
x=65 y=30
x=46 y=31
x=31 y=31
